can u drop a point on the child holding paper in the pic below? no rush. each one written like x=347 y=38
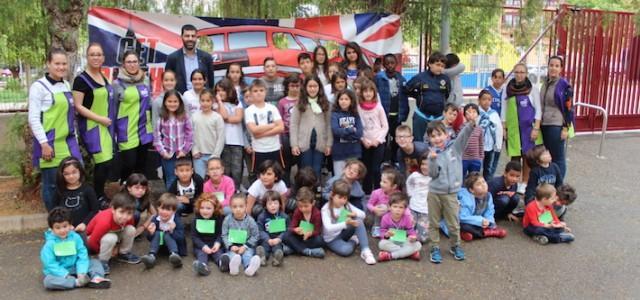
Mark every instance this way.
x=378 y=205
x=343 y=226
x=272 y=223
x=167 y=230
x=399 y=238
x=304 y=231
x=206 y=230
x=540 y=220
x=218 y=184
x=65 y=260
x=240 y=236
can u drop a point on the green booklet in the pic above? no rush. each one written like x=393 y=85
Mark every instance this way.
x=67 y=248
x=206 y=226
x=237 y=236
x=161 y=238
x=546 y=218
x=306 y=226
x=399 y=235
x=277 y=225
x=219 y=196
x=344 y=214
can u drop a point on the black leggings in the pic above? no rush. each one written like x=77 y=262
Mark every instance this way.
x=100 y=176
x=132 y=161
x=476 y=231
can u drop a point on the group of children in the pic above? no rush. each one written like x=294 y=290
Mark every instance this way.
x=203 y=146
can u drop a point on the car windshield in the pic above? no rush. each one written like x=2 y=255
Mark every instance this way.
x=251 y=39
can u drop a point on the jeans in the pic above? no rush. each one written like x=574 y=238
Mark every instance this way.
x=338 y=167
x=109 y=241
x=553 y=234
x=343 y=246
x=169 y=171
x=298 y=245
x=504 y=204
x=268 y=249
x=204 y=258
x=169 y=241
x=470 y=165
x=391 y=147
x=246 y=256
x=312 y=158
x=399 y=250
x=422 y=225
x=52 y=282
x=232 y=160
x=476 y=231
x=48 y=178
x=200 y=164
x=443 y=206
x=489 y=164
x=288 y=157
x=372 y=158
x=555 y=145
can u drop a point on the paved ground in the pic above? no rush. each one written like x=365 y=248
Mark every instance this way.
x=602 y=263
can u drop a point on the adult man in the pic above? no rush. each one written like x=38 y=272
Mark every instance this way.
x=183 y=61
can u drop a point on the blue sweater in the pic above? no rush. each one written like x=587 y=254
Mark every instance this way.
x=61 y=266
x=431 y=92
x=382 y=83
x=347 y=131
x=468 y=214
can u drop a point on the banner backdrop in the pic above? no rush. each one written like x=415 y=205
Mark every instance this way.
x=246 y=41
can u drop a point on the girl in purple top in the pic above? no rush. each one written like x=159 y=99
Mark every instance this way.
x=399 y=238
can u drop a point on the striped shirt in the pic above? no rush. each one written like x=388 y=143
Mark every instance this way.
x=173 y=135
x=475 y=147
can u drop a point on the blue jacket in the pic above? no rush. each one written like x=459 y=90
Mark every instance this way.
x=431 y=92
x=346 y=141
x=467 y=211
x=62 y=266
x=382 y=83
x=177 y=235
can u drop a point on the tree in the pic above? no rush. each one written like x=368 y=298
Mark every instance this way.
x=65 y=18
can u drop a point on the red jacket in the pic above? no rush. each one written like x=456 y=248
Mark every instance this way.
x=533 y=212
x=100 y=225
x=316 y=220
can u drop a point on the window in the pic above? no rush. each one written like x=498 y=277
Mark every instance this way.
x=284 y=40
x=252 y=39
x=333 y=48
x=308 y=43
x=218 y=42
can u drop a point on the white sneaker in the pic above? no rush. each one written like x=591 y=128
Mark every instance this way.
x=367 y=256
x=234 y=264
x=254 y=265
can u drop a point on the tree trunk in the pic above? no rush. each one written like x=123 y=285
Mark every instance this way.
x=445 y=27
x=65 y=18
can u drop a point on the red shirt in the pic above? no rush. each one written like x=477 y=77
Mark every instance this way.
x=532 y=214
x=316 y=220
x=100 y=225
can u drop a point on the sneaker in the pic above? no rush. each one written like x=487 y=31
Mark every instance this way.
x=314 y=252
x=175 y=260
x=375 y=231
x=495 y=232
x=368 y=257
x=466 y=236
x=234 y=265
x=260 y=252
x=435 y=255
x=567 y=237
x=129 y=258
x=99 y=283
x=254 y=265
x=457 y=252
x=201 y=268
x=541 y=239
x=105 y=267
x=278 y=255
x=149 y=260
x=82 y=280
x=224 y=263
x=415 y=256
x=287 y=250
x=384 y=256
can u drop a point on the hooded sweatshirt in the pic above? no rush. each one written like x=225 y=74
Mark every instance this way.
x=61 y=266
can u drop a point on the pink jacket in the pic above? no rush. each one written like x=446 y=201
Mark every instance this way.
x=226 y=186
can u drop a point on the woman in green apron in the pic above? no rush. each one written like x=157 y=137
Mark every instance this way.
x=51 y=119
x=133 y=129
x=94 y=101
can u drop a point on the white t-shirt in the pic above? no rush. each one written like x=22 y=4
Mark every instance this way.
x=329 y=93
x=187 y=191
x=191 y=101
x=233 y=133
x=265 y=115
x=417 y=189
x=257 y=189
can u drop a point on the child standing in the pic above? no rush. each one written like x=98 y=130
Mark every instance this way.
x=418 y=190
x=476 y=210
x=391 y=181
x=273 y=223
x=399 y=238
x=343 y=224
x=491 y=132
x=496 y=88
x=353 y=61
x=286 y=106
x=232 y=113
x=338 y=83
x=311 y=136
x=206 y=234
x=320 y=64
x=219 y=185
x=173 y=138
x=74 y=194
x=540 y=220
x=305 y=240
x=306 y=65
x=445 y=169
x=111 y=226
x=374 y=133
x=208 y=132
x=543 y=170
x=236 y=75
x=168 y=84
x=354 y=170
x=391 y=86
x=187 y=187
x=347 y=130
x=65 y=260
x=166 y=229
x=240 y=236
x=474 y=151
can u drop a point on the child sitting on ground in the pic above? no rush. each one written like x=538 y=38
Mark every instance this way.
x=378 y=205
x=476 y=210
x=187 y=187
x=206 y=234
x=504 y=191
x=540 y=220
x=566 y=196
x=240 y=236
x=270 y=180
x=354 y=171
x=305 y=240
x=65 y=260
x=399 y=238
x=166 y=229
x=543 y=170
x=273 y=223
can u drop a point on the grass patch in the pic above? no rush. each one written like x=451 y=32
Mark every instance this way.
x=12 y=96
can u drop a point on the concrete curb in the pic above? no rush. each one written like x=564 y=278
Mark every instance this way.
x=23 y=222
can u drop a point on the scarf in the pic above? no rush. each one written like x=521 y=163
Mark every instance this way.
x=366 y=105
x=315 y=107
x=518 y=89
x=126 y=77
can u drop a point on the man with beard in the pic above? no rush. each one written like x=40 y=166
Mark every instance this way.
x=187 y=59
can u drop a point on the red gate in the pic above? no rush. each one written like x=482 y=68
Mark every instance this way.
x=602 y=62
